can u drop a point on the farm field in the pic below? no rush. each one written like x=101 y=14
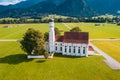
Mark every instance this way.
x=17 y=30
x=110 y=47
x=15 y=66
x=103 y=31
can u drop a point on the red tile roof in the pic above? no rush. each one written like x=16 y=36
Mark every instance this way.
x=73 y=37
x=90 y=48
x=59 y=38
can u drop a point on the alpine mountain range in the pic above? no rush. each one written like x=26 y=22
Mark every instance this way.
x=75 y=8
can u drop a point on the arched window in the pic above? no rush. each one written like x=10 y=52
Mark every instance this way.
x=60 y=48
x=65 y=48
x=56 y=48
x=83 y=50
x=74 y=49
x=78 y=49
x=69 y=49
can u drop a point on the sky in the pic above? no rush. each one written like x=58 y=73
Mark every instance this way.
x=7 y=2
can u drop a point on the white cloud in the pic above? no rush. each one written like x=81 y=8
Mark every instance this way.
x=7 y=2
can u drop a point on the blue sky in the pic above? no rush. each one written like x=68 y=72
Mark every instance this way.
x=7 y=2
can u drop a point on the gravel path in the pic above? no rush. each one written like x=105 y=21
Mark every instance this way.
x=9 y=40
x=104 y=39
x=111 y=62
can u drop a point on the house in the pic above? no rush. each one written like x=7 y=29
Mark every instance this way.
x=72 y=43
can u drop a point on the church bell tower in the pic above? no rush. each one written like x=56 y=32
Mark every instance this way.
x=51 y=36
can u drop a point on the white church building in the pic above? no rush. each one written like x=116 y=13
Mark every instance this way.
x=71 y=43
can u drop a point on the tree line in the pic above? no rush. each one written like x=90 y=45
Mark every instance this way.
x=75 y=20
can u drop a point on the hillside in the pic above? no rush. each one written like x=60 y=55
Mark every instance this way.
x=76 y=8
x=104 y=6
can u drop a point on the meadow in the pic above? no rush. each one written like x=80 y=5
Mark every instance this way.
x=14 y=64
x=110 y=47
x=104 y=31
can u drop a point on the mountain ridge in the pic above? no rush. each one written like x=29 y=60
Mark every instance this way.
x=76 y=8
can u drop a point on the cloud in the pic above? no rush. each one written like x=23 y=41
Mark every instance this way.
x=7 y=2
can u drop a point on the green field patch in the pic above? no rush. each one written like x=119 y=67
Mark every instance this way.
x=112 y=48
x=103 y=31
x=14 y=65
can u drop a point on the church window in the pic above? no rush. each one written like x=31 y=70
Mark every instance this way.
x=83 y=50
x=60 y=48
x=74 y=50
x=56 y=48
x=69 y=49
x=65 y=48
x=78 y=49
x=55 y=43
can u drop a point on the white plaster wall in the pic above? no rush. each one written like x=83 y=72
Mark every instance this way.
x=76 y=49
x=90 y=53
x=51 y=37
x=42 y=56
x=60 y=44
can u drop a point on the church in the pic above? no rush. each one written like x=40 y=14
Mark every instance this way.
x=71 y=43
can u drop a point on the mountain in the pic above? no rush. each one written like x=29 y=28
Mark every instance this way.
x=77 y=8
x=74 y=8
x=23 y=4
x=104 y=6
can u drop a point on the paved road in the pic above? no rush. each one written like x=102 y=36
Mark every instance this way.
x=67 y=26
x=112 y=63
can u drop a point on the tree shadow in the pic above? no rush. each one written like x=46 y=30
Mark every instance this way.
x=67 y=56
x=41 y=61
x=15 y=59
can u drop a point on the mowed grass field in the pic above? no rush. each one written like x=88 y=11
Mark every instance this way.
x=17 y=30
x=103 y=31
x=15 y=66
x=110 y=47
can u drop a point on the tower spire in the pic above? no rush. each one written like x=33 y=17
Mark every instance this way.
x=51 y=36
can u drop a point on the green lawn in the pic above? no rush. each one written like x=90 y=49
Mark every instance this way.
x=15 y=66
x=103 y=31
x=110 y=47
x=17 y=30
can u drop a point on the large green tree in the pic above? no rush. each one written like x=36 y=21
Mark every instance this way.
x=76 y=29
x=46 y=36
x=57 y=31
x=33 y=42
